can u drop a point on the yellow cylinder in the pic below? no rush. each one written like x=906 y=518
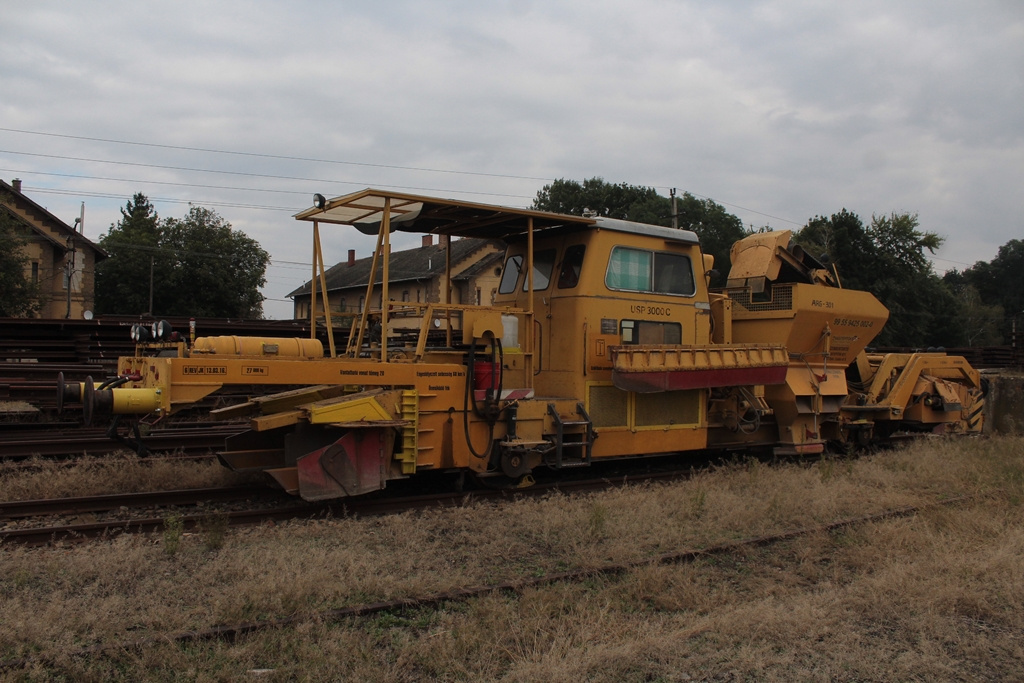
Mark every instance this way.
x=276 y=347
x=134 y=401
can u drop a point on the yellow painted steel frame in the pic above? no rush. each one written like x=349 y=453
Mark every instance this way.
x=896 y=375
x=622 y=439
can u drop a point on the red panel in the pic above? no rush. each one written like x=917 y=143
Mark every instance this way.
x=352 y=465
x=675 y=380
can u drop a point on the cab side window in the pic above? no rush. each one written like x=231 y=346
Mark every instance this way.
x=572 y=263
x=510 y=275
x=543 y=264
x=639 y=270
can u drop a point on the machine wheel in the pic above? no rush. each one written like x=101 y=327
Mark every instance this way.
x=514 y=463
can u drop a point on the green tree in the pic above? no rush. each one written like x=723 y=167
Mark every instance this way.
x=888 y=259
x=621 y=200
x=197 y=265
x=136 y=259
x=980 y=323
x=1000 y=283
x=19 y=297
x=717 y=228
x=216 y=271
x=842 y=240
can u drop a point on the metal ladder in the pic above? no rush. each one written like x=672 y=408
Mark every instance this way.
x=585 y=443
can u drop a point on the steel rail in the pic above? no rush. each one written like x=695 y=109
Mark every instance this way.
x=85 y=504
x=72 y=443
x=37 y=536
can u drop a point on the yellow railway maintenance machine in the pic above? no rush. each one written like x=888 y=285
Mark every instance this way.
x=603 y=341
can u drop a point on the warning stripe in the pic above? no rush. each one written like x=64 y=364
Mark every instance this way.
x=974 y=418
x=506 y=394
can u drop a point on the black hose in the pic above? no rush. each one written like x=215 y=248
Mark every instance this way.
x=465 y=409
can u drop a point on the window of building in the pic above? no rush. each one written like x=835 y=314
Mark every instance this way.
x=35 y=272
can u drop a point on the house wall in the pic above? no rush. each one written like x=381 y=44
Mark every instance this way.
x=45 y=239
x=421 y=291
x=46 y=264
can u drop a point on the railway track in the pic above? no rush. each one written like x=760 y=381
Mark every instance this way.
x=231 y=632
x=190 y=438
x=273 y=510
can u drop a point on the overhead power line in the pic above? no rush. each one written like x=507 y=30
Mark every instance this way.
x=309 y=180
x=273 y=156
x=251 y=175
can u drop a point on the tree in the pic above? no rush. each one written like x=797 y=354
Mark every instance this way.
x=135 y=260
x=196 y=266
x=842 y=240
x=19 y=297
x=217 y=271
x=888 y=259
x=716 y=228
x=979 y=322
x=622 y=201
x=1001 y=282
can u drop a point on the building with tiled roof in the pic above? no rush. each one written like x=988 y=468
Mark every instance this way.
x=61 y=260
x=415 y=275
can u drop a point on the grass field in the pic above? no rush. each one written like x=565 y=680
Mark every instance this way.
x=936 y=595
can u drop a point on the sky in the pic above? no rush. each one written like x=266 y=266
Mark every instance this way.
x=778 y=110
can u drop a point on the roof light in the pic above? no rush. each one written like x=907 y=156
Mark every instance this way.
x=319 y=201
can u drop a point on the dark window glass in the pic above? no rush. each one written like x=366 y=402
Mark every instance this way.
x=572 y=263
x=673 y=274
x=650 y=332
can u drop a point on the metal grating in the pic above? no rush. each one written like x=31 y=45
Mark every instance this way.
x=608 y=406
x=668 y=408
x=781 y=298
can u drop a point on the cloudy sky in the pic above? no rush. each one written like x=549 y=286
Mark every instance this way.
x=779 y=110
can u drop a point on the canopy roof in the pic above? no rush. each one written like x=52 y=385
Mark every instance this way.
x=413 y=213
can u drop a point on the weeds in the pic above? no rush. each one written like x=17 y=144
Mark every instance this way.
x=598 y=522
x=698 y=502
x=826 y=468
x=214 y=528
x=174 y=529
x=946 y=587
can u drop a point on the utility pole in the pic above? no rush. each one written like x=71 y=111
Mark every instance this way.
x=69 y=264
x=150 y=312
x=675 y=211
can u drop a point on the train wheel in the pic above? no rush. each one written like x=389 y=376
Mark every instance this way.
x=514 y=464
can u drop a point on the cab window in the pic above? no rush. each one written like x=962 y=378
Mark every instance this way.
x=650 y=332
x=572 y=264
x=510 y=276
x=543 y=263
x=640 y=270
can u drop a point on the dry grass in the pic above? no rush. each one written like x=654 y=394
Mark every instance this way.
x=122 y=472
x=936 y=596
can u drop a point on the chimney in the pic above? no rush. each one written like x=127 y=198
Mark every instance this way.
x=351 y=256
x=445 y=240
x=16 y=184
x=428 y=240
